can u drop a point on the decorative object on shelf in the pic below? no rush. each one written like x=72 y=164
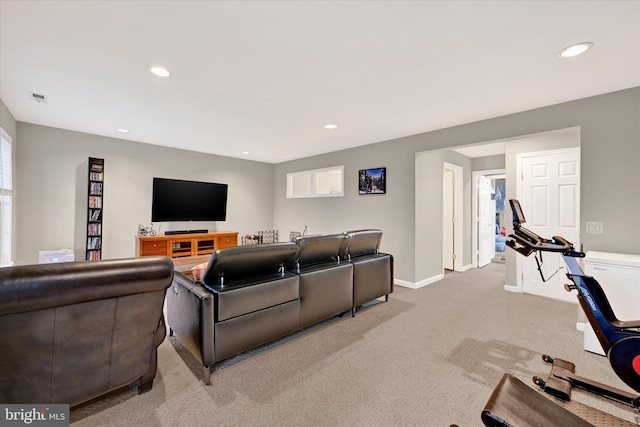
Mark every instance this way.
x=250 y=239
x=267 y=236
x=293 y=235
x=372 y=181
x=146 y=231
x=94 y=208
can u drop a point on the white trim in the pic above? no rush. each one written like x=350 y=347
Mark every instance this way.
x=313 y=173
x=458 y=204
x=465 y=268
x=7 y=226
x=5 y=135
x=420 y=284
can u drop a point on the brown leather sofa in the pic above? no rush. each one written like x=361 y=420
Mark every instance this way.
x=251 y=295
x=71 y=332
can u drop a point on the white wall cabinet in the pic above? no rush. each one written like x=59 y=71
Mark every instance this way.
x=619 y=276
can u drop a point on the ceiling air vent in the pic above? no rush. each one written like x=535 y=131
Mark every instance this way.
x=38 y=97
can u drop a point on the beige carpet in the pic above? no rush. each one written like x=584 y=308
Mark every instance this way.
x=428 y=357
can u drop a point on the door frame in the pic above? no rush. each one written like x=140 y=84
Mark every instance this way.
x=474 y=209
x=458 y=200
x=519 y=172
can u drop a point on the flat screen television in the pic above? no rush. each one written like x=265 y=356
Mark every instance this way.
x=180 y=200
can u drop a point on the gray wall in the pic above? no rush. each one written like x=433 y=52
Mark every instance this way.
x=610 y=189
x=51 y=166
x=429 y=211
x=610 y=177
x=488 y=163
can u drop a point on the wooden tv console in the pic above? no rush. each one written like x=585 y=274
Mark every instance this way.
x=185 y=245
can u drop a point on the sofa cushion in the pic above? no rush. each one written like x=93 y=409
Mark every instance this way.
x=197 y=271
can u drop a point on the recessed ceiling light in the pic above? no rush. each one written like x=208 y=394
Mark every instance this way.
x=575 y=50
x=245 y=152
x=330 y=126
x=160 y=72
x=122 y=130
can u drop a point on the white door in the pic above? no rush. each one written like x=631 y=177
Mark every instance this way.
x=448 y=224
x=550 y=199
x=486 y=222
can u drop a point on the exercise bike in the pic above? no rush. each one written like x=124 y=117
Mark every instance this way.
x=620 y=340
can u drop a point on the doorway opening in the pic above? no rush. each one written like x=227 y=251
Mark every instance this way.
x=490 y=222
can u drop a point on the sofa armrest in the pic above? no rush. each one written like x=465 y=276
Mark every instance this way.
x=190 y=315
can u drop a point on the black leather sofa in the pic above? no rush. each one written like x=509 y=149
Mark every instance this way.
x=326 y=283
x=71 y=332
x=251 y=295
x=372 y=270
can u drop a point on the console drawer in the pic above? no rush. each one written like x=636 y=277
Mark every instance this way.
x=227 y=241
x=154 y=248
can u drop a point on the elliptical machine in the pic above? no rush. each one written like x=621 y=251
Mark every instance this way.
x=620 y=340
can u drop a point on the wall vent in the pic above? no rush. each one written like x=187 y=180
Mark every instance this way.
x=38 y=97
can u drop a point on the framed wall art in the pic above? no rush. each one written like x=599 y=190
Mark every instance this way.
x=372 y=181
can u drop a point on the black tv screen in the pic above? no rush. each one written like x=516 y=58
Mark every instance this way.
x=180 y=200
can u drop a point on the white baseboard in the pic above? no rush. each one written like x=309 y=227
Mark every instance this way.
x=465 y=268
x=512 y=289
x=420 y=284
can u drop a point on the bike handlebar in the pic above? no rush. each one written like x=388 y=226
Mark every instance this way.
x=533 y=242
x=526 y=241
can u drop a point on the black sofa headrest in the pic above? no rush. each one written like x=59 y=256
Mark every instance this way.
x=363 y=242
x=318 y=249
x=241 y=262
x=34 y=287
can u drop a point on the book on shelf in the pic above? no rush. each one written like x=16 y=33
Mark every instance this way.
x=94 y=229
x=94 y=243
x=96 y=176
x=95 y=188
x=95 y=201
x=94 y=214
x=94 y=255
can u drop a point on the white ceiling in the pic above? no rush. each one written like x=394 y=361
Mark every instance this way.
x=265 y=77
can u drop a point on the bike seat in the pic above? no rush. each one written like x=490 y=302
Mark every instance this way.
x=513 y=403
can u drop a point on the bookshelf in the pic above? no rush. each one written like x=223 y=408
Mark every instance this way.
x=94 y=209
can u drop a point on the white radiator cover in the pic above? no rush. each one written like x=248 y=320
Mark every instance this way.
x=619 y=276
